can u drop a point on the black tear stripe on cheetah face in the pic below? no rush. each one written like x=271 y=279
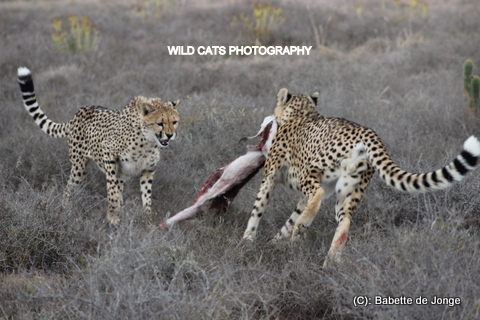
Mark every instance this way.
x=323 y=156
x=123 y=143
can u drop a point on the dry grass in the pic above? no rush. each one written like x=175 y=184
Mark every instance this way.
x=400 y=75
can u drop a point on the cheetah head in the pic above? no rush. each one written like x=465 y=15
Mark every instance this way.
x=293 y=106
x=160 y=120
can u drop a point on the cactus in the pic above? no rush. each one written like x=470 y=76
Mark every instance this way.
x=475 y=90
x=471 y=89
x=467 y=76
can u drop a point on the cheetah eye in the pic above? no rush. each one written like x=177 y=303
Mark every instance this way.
x=175 y=122
x=160 y=124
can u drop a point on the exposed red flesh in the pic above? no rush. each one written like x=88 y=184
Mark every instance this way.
x=223 y=185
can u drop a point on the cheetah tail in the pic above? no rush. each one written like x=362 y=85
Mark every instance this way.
x=456 y=170
x=56 y=130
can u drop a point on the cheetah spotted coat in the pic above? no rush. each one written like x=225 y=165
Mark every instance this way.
x=323 y=156
x=123 y=143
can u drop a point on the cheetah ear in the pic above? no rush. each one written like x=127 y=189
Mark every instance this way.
x=174 y=104
x=146 y=108
x=283 y=96
x=314 y=97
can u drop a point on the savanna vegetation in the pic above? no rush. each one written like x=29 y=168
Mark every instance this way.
x=395 y=66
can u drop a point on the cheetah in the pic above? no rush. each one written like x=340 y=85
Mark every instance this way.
x=123 y=143
x=321 y=156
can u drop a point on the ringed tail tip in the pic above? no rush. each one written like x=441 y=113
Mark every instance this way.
x=23 y=72
x=472 y=145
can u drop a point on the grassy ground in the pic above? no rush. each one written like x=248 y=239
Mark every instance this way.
x=395 y=69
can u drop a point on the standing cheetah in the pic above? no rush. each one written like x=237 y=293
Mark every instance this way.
x=123 y=143
x=320 y=156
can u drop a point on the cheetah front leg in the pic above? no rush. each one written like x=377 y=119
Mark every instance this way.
x=261 y=202
x=113 y=189
x=273 y=165
x=146 y=181
x=121 y=186
x=287 y=229
x=77 y=175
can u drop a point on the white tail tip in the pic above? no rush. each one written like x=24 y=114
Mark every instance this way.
x=22 y=71
x=472 y=145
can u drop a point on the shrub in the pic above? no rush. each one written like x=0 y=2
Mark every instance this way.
x=154 y=8
x=263 y=19
x=82 y=34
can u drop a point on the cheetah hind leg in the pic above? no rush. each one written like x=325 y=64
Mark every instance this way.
x=349 y=190
x=338 y=243
x=305 y=219
x=352 y=166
